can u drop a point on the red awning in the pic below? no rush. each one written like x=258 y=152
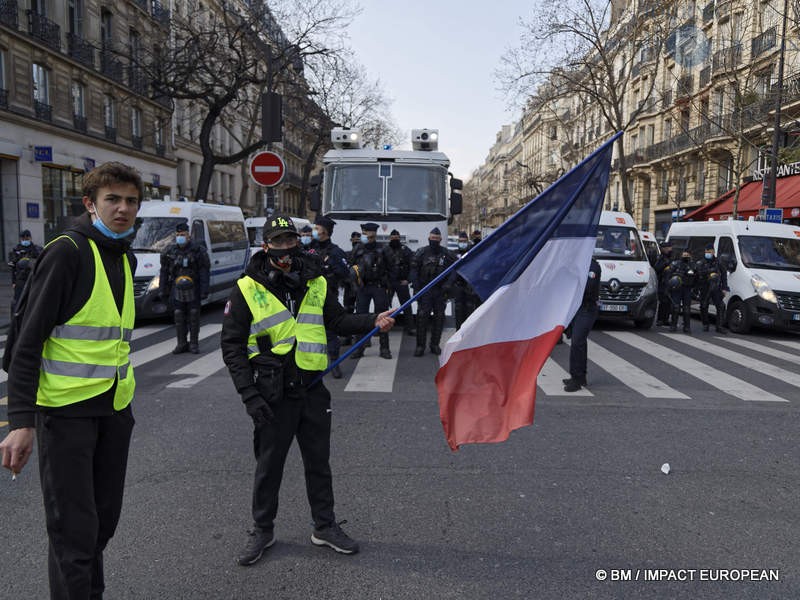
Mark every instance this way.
x=787 y=197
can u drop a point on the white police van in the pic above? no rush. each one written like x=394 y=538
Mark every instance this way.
x=255 y=230
x=628 y=284
x=218 y=227
x=763 y=261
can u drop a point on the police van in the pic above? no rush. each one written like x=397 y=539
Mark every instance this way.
x=763 y=263
x=651 y=247
x=628 y=284
x=255 y=230
x=218 y=227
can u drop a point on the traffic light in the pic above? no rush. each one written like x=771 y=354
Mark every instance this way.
x=271 y=117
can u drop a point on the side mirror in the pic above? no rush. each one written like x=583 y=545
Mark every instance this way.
x=456 y=184
x=315 y=193
x=456 y=203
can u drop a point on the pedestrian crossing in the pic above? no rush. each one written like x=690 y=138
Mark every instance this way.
x=650 y=365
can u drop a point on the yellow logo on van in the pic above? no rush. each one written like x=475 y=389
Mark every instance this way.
x=175 y=210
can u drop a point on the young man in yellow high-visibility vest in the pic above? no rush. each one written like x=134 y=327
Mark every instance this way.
x=275 y=346
x=70 y=379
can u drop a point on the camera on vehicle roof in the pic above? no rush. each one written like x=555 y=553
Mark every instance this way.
x=425 y=139
x=345 y=138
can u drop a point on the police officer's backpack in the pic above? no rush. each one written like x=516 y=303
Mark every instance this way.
x=16 y=322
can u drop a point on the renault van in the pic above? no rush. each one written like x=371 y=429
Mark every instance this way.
x=628 y=286
x=651 y=247
x=218 y=227
x=255 y=230
x=763 y=262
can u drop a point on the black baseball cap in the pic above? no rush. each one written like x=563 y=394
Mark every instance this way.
x=183 y=226
x=369 y=227
x=278 y=224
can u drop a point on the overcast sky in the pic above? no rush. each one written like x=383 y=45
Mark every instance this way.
x=436 y=61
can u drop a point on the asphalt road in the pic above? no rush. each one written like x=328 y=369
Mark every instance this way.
x=560 y=510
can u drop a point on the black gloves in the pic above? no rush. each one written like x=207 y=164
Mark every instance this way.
x=258 y=409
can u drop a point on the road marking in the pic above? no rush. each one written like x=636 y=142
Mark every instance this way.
x=3 y=376
x=760 y=366
x=200 y=369
x=373 y=373
x=141 y=332
x=3 y=423
x=4 y=401
x=795 y=345
x=151 y=353
x=719 y=379
x=549 y=380
x=3 y=337
x=787 y=356
x=631 y=375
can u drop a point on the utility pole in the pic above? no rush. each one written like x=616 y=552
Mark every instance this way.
x=771 y=182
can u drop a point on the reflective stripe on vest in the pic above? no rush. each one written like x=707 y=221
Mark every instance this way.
x=83 y=357
x=272 y=319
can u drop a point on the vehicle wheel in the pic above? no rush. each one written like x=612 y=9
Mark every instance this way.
x=645 y=323
x=738 y=317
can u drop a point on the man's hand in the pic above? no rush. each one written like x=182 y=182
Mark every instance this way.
x=17 y=449
x=384 y=321
x=259 y=410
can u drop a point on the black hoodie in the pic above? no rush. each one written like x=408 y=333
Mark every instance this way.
x=238 y=318
x=62 y=282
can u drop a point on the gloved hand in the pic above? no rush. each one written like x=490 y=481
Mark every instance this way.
x=259 y=410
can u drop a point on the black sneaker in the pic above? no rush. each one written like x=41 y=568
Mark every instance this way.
x=385 y=353
x=436 y=349
x=572 y=386
x=333 y=537
x=258 y=541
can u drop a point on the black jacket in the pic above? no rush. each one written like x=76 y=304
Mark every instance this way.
x=238 y=318
x=591 y=293
x=198 y=266
x=17 y=254
x=62 y=282
x=428 y=263
x=399 y=262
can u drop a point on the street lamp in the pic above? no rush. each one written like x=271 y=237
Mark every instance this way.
x=771 y=182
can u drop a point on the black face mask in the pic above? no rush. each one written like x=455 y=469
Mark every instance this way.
x=685 y=258
x=283 y=257
x=394 y=243
x=434 y=244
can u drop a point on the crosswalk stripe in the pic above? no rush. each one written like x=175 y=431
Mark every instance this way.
x=373 y=373
x=146 y=330
x=719 y=379
x=795 y=345
x=3 y=338
x=740 y=359
x=550 y=380
x=3 y=423
x=156 y=351
x=4 y=401
x=199 y=369
x=787 y=356
x=631 y=375
x=3 y=376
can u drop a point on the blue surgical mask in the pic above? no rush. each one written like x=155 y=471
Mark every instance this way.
x=708 y=255
x=102 y=228
x=462 y=245
x=180 y=240
x=305 y=240
x=315 y=234
x=25 y=242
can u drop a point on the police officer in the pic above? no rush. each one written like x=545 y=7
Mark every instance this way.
x=398 y=258
x=334 y=269
x=712 y=282
x=582 y=324
x=20 y=261
x=185 y=272
x=371 y=275
x=662 y=269
x=349 y=287
x=306 y=237
x=465 y=300
x=428 y=263
x=476 y=237
x=273 y=343
x=681 y=282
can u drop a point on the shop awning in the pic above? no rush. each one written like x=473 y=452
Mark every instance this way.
x=787 y=197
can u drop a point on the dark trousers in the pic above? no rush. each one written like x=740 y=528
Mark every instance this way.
x=430 y=313
x=309 y=420
x=664 y=307
x=714 y=295
x=465 y=301
x=681 y=305
x=403 y=296
x=82 y=464
x=582 y=324
x=377 y=295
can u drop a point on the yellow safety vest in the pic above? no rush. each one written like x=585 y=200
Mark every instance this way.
x=271 y=318
x=83 y=357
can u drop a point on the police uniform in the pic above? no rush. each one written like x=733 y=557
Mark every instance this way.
x=398 y=258
x=465 y=300
x=274 y=345
x=20 y=261
x=371 y=275
x=185 y=273
x=681 y=282
x=662 y=269
x=582 y=324
x=335 y=270
x=429 y=262
x=712 y=281
x=71 y=376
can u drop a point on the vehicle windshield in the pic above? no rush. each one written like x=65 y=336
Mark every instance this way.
x=618 y=243
x=770 y=253
x=155 y=234
x=386 y=188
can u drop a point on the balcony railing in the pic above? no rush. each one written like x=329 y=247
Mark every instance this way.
x=667 y=99
x=137 y=81
x=42 y=111
x=727 y=58
x=764 y=42
x=705 y=76
x=685 y=86
x=142 y=4
x=110 y=133
x=44 y=30
x=110 y=66
x=161 y=150
x=136 y=141
x=79 y=123
x=708 y=12
x=81 y=50
x=9 y=15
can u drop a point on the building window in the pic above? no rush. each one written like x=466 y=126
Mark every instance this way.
x=667 y=129
x=136 y=127
x=110 y=117
x=75 y=17
x=78 y=106
x=158 y=136
x=106 y=34
x=41 y=84
x=3 y=88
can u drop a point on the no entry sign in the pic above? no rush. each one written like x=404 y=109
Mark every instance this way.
x=267 y=169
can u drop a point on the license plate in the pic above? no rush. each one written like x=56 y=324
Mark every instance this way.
x=613 y=307
x=796 y=317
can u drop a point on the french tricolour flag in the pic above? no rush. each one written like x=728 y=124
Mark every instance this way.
x=530 y=274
